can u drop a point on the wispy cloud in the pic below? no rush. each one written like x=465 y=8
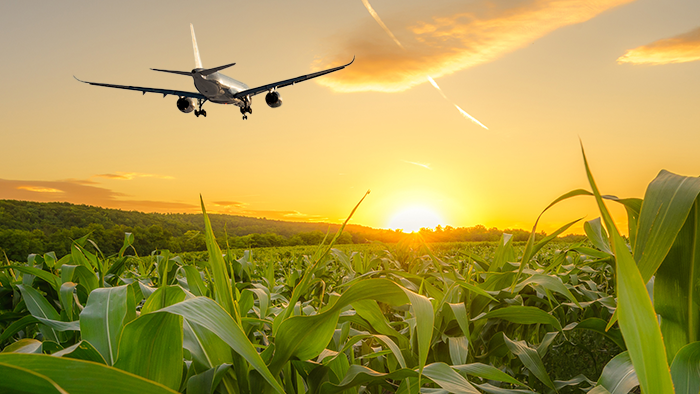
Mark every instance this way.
x=444 y=44
x=86 y=192
x=39 y=189
x=679 y=49
x=127 y=176
x=228 y=204
x=426 y=166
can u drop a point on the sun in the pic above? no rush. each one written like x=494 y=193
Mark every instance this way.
x=412 y=219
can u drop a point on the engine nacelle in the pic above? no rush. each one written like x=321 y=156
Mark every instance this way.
x=186 y=104
x=273 y=99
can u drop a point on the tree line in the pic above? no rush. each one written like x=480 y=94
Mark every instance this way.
x=32 y=227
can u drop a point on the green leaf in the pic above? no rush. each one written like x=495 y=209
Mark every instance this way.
x=667 y=203
x=208 y=314
x=194 y=281
x=81 y=275
x=676 y=292
x=487 y=372
x=164 y=296
x=497 y=390
x=685 y=369
x=83 y=377
x=24 y=345
x=597 y=235
x=361 y=375
x=207 y=381
x=20 y=380
x=104 y=317
x=521 y=315
x=618 y=376
x=17 y=326
x=207 y=349
x=549 y=282
x=151 y=347
x=637 y=318
x=305 y=337
x=40 y=308
x=67 y=298
x=448 y=379
x=82 y=350
x=459 y=349
x=46 y=276
x=222 y=282
x=504 y=253
x=530 y=359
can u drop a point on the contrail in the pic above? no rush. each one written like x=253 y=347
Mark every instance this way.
x=463 y=112
x=432 y=81
x=379 y=20
x=427 y=166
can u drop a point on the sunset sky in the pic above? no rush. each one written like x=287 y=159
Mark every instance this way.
x=623 y=76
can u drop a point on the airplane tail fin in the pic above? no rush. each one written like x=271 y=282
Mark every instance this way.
x=197 y=59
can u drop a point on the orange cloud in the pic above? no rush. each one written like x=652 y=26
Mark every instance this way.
x=131 y=175
x=679 y=49
x=446 y=44
x=85 y=192
x=39 y=189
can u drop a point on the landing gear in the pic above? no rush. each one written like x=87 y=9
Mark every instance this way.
x=245 y=110
x=200 y=111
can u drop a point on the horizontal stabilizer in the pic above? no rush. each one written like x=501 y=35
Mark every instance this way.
x=205 y=72
x=215 y=69
x=173 y=72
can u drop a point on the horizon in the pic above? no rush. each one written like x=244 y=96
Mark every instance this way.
x=457 y=114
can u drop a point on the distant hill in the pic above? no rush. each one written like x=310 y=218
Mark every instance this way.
x=33 y=227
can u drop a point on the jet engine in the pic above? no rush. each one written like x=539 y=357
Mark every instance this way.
x=186 y=104
x=273 y=99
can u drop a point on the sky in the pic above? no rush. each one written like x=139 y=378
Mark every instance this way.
x=457 y=113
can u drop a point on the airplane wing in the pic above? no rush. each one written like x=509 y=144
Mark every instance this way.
x=281 y=84
x=164 y=92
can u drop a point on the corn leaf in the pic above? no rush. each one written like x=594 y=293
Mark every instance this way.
x=530 y=359
x=151 y=347
x=83 y=377
x=685 y=369
x=667 y=203
x=16 y=379
x=522 y=315
x=40 y=308
x=210 y=315
x=104 y=317
x=82 y=350
x=618 y=376
x=636 y=314
x=676 y=295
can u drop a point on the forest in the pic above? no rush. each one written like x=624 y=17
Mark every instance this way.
x=34 y=227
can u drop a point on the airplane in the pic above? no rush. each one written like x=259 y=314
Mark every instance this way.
x=218 y=88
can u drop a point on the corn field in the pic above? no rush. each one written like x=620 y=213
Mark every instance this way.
x=395 y=319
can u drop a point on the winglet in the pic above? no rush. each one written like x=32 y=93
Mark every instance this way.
x=197 y=59
x=76 y=78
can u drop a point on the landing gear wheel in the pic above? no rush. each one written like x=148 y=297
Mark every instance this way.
x=196 y=113
x=203 y=113
x=245 y=117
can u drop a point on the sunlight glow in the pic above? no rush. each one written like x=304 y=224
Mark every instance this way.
x=414 y=218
